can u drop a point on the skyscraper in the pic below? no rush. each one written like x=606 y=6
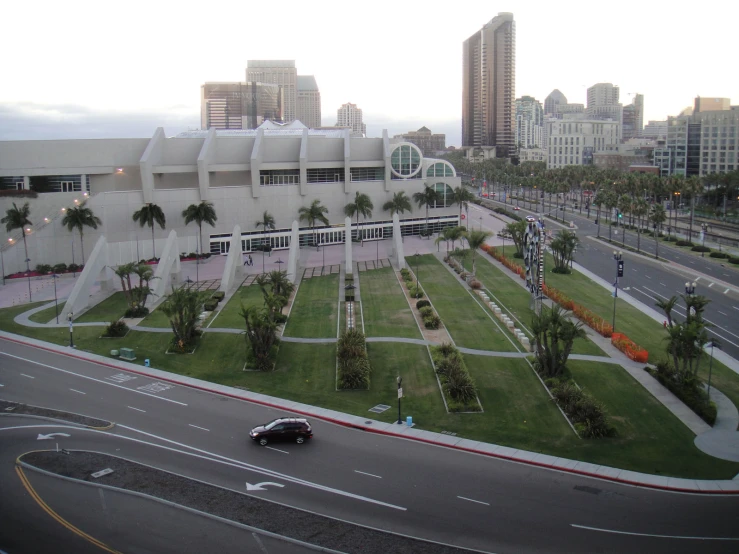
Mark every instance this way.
x=529 y=122
x=348 y=115
x=279 y=72
x=633 y=118
x=551 y=102
x=309 y=102
x=239 y=105
x=488 y=86
x=603 y=103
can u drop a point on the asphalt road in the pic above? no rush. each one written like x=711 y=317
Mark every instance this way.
x=646 y=278
x=393 y=484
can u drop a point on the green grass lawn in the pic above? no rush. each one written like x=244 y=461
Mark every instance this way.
x=47 y=315
x=467 y=321
x=384 y=307
x=315 y=308
x=111 y=309
x=156 y=319
x=229 y=317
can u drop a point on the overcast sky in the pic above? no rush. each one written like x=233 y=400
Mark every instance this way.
x=78 y=69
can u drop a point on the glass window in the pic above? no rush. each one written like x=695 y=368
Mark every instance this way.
x=446 y=195
x=405 y=160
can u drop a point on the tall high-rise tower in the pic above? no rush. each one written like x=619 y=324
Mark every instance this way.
x=279 y=72
x=308 y=109
x=348 y=115
x=488 y=86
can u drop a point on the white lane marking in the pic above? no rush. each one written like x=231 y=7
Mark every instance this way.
x=475 y=501
x=663 y=284
x=259 y=542
x=214 y=458
x=137 y=409
x=697 y=279
x=371 y=475
x=686 y=537
x=77 y=391
x=692 y=262
x=92 y=378
x=1 y=385
x=735 y=307
x=727 y=290
x=29 y=376
x=633 y=270
x=277 y=450
x=722 y=313
x=121 y=377
x=709 y=286
x=155 y=387
x=647 y=276
x=196 y=427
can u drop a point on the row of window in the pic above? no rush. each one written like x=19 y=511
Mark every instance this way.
x=336 y=175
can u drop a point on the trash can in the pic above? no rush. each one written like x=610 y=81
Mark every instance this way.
x=146 y=362
x=409 y=421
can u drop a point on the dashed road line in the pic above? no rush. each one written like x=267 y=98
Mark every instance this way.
x=370 y=474
x=685 y=537
x=78 y=391
x=722 y=313
x=137 y=409
x=663 y=284
x=727 y=290
x=471 y=500
x=277 y=449
x=196 y=427
x=29 y=376
x=647 y=276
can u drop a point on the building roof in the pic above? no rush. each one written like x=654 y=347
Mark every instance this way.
x=307 y=82
x=270 y=63
x=292 y=129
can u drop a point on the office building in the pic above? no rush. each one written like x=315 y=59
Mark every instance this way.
x=551 y=102
x=603 y=103
x=633 y=118
x=239 y=105
x=574 y=141
x=308 y=102
x=278 y=72
x=655 y=130
x=428 y=142
x=349 y=115
x=488 y=86
x=529 y=122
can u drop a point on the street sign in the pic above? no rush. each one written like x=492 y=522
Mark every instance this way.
x=400 y=392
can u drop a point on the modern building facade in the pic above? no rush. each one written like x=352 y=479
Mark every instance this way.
x=308 y=102
x=633 y=118
x=488 y=86
x=428 y=142
x=603 y=103
x=349 y=115
x=529 y=123
x=278 y=72
x=575 y=141
x=655 y=130
x=275 y=168
x=239 y=105
x=551 y=102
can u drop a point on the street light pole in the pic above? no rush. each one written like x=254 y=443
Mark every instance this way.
x=703 y=241
x=400 y=395
x=416 y=256
x=710 y=367
x=70 y=315
x=54 y=276
x=616 y=256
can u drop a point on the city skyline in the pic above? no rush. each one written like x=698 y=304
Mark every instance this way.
x=116 y=86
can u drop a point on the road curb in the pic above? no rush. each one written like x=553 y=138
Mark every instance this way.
x=108 y=427
x=734 y=490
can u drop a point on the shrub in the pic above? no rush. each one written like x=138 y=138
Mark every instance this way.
x=349 y=277
x=432 y=321
x=280 y=318
x=475 y=284
x=688 y=389
x=455 y=379
x=408 y=278
x=60 y=268
x=562 y=270
x=116 y=329
x=138 y=311
x=415 y=292
x=405 y=272
x=699 y=248
x=733 y=260
x=722 y=255
x=464 y=275
x=683 y=243
x=43 y=268
x=422 y=304
x=426 y=310
x=353 y=362
x=210 y=305
x=670 y=239
x=460 y=387
x=588 y=415
x=218 y=295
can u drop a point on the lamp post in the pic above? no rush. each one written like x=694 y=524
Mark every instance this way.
x=2 y=265
x=618 y=256
x=690 y=288
x=54 y=276
x=703 y=239
x=197 y=262
x=28 y=274
x=415 y=256
x=400 y=395
x=480 y=223
x=279 y=263
x=70 y=315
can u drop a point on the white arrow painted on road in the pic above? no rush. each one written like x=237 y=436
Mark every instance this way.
x=51 y=435
x=260 y=486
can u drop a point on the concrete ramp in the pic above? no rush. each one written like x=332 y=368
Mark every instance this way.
x=233 y=272
x=96 y=268
x=398 y=255
x=168 y=273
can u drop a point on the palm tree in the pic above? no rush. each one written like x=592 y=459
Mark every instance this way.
x=17 y=218
x=183 y=308
x=361 y=205
x=315 y=212
x=475 y=239
x=624 y=207
x=657 y=217
x=149 y=214
x=666 y=306
x=123 y=272
x=398 y=205
x=610 y=200
x=598 y=201
x=463 y=197
x=78 y=218
x=267 y=223
x=200 y=213
x=640 y=208
x=427 y=197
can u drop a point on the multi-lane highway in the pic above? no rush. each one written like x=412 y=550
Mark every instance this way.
x=388 y=483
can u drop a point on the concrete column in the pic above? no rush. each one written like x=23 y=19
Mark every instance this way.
x=348 y=246
x=398 y=243
x=294 y=255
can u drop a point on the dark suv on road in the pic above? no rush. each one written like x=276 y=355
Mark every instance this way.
x=282 y=429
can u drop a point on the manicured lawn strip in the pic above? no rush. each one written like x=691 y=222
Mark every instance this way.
x=467 y=322
x=47 y=315
x=385 y=309
x=648 y=432
x=111 y=309
x=514 y=299
x=315 y=308
x=156 y=319
x=229 y=317
x=722 y=378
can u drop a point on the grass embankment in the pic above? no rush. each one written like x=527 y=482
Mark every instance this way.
x=469 y=324
x=315 y=309
x=384 y=307
x=111 y=309
x=228 y=317
x=48 y=315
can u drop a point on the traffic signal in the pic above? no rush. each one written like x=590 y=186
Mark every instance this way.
x=620 y=215
x=620 y=268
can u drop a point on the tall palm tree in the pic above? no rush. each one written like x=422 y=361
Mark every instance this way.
x=149 y=214
x=363 y=206
x=78 y=218
x=610 y=200
x=398 y=205
x=475 y=239
x=624 y=207
x=640 y=208
x=657 y=217
x=666 y=306
x=311 y=214
x=427 y=197
x=17 y=218
x=598 y=201
x=267 y=223
x=200 y=213
x=463 y=197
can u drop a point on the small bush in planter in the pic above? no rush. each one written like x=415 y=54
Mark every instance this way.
x=138 y=311
x=218 y=295
x=422 y=304
x=684 y=243
x=464 y=275
x=733 y=260
x=280 y=318
x=722 y=255
x=699 y=248
x=415 y=292
x=73 y=267
x=432 y=321
x=60 y=268
x=426 y=311
x=210 y=305
x=43 y=268
x=475 y=284
x=116 y=329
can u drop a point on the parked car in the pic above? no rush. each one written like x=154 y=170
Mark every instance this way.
x=516 y=208
x=282 y=429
